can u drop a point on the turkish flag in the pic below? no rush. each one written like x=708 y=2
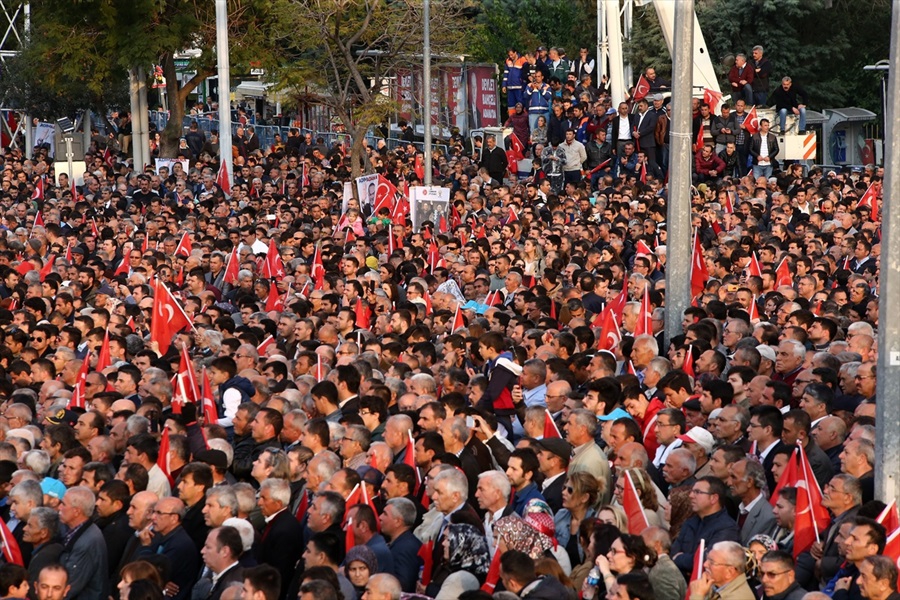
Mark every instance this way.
x=78 y=399
x=610 y=335
x=103 y=359
x=892 y=547
x=428 y=308
x=869 y=199
x=889 y=517
x=550 y=428
x=264 y=345
x=699 y=273
x=223 y=178
x=713 y=98
x=688 y=365
x=754 y=311
x=426 y=554
x=641 y=89
x=362 y=314
x=699 y=141
x=48 y=266
x=318 y=269
x=232 y=268
x=186 y=370
x=642 y=248
x=643 y=176
x=728 y=205
x=493 y=575
x=513 y=216
x=274 y=266
x=783 y=274
x=634 y=510
x=751 y=122
x=184 y=245
x=168 y=317
x=458 y=320
x=697 y=570
x=38 y=195
x=274 y=301
x=419 y=167
x=385 y=194
x=162 y=461
x=210 y=414
x=753 y=268
x=516 y=146
x=644 y=323
x=11 y=551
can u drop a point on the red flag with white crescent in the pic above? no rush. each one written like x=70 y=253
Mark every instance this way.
x=641 y=89
x=751 y=122
x=168 y=317
x=634 y=509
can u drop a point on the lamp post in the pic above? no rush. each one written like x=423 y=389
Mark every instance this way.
x=224 y=86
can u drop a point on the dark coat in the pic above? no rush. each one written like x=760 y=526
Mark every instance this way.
x=117 y=534
x=717 y=527
x=195 y=524
x=84 y=557
x=184 y=560
x=756 y=144
x=495 y=162
x=553 y=493
x=281 y=545
x=645 y=133
x=405 y=550
x=205 y=590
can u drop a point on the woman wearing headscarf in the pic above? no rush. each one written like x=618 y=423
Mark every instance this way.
x=360 y=564
x=467 y=558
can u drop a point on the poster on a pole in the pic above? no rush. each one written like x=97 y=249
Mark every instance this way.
x=366 y=186
x=45 y=136
x=169 y=163
x=429 y=204
x=348 y=195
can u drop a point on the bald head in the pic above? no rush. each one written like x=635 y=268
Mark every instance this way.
x=631 y=455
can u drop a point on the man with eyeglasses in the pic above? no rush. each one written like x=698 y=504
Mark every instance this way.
x=723 y=575
x=169 y=538
x=710 y=522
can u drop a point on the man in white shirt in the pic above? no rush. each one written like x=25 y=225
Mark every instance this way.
x=493 y=498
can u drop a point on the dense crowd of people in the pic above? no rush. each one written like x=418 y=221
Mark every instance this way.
x=273 y=393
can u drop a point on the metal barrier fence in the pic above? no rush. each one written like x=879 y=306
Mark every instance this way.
x=267 y=133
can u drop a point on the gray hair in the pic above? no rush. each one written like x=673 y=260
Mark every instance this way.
x=279 y=490
x=734 y=554
x=799 y=348
x=37 y=461
x=246 y=496
x=586 y=419
x=29 y=491
x=46 y=518
x=405 y=509
x=755 y=472
x=83 y=499
x=224 y=495
x=224 y=446
x=499 y=481
x=137 y=424
x=456 y=482
x=425 y=381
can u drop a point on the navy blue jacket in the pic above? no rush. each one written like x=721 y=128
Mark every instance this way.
x=405 y=550
x=717 y=527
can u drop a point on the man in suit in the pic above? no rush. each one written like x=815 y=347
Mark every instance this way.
x=766 y=424
x=494 y=159
x=746 y=482
x=281 y=542
x=397 y=520
x=84 y=551
x=220 y=553
x=170 y=539
x=113 y=521
x=451 y=488
x=796 y=431
x=196 y=478
x=554 y=458
x=587 y=457
x=643 y=128
x=456 y=435
x=23 y=498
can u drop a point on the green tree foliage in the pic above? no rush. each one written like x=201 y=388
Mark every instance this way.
x=79 y=52
x=344 y=51
x=821 y=44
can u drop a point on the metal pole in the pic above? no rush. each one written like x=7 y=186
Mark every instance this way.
x=616 y=59
x=144 y=116
x=135 y=121
x=224 y=85
x=70 y=156
x=426 y=80
x=29 y=134
x=628 y=14
x=86 y=131
x=601 y=46
x=678 y=267
x=887 y=436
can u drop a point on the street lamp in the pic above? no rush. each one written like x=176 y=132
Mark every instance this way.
x=884 y=66
x=67 y=127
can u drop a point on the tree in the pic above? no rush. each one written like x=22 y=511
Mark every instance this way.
x=80 y=51
x=346 y=49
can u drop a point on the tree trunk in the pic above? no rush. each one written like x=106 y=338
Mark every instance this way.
x=171 y=135
x=359 y=163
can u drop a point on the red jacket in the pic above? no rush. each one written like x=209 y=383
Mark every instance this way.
x=702 y=166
